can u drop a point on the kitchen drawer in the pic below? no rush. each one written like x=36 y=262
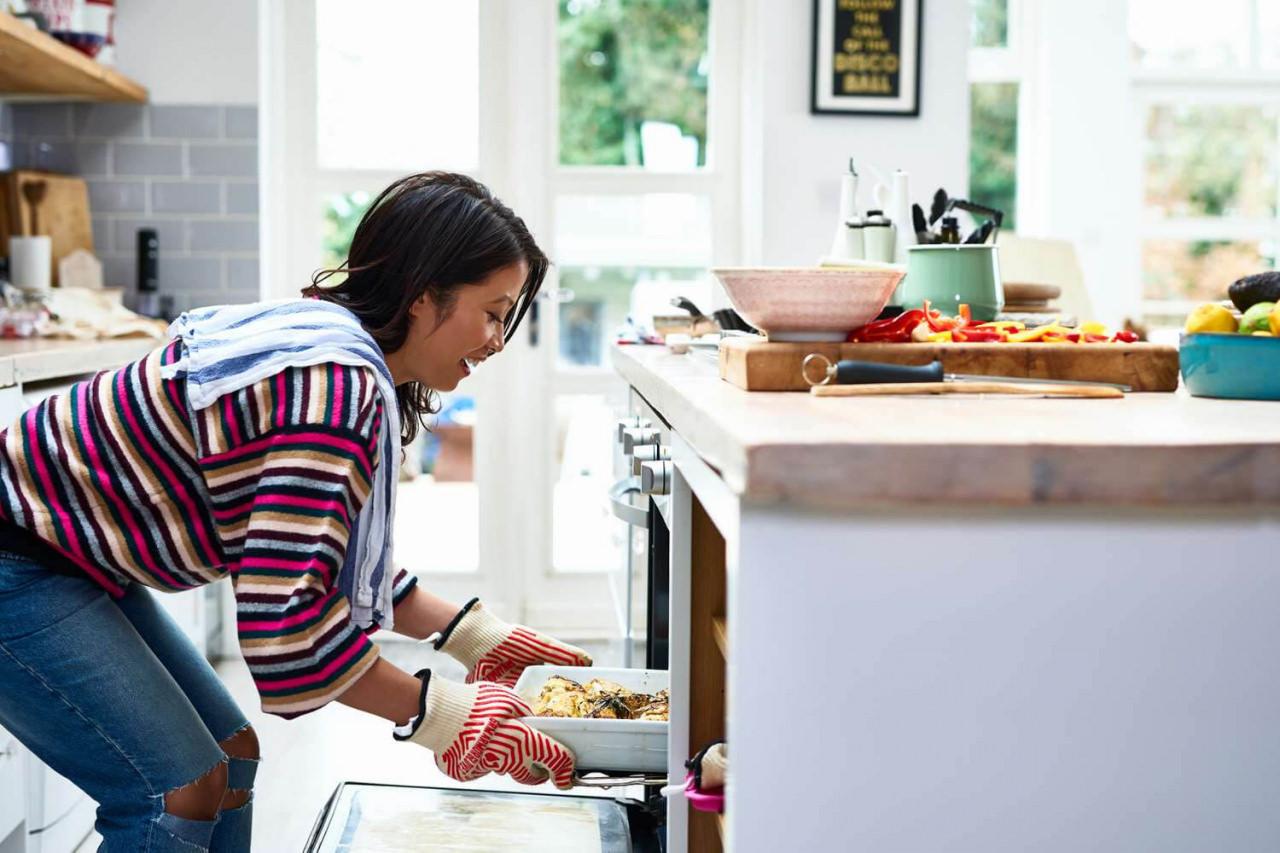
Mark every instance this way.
x=13 y=802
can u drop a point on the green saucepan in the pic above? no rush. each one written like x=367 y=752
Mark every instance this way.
x=951 y=275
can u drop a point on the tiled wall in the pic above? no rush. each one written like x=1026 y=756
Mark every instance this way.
x=190 y=172
x=6 y=122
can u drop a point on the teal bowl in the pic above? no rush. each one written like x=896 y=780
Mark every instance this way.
x=1237 y=367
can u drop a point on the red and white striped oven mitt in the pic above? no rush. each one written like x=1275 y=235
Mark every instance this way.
x=493 y=650
x=474 y=729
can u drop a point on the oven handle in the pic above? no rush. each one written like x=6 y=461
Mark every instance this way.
x=622 y=508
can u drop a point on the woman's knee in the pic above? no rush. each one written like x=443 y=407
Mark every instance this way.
x=201 y=799
x=243 y=756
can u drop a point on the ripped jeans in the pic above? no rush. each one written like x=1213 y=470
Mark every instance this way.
x=112 y=695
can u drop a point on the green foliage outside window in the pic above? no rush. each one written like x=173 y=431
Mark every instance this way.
x=990 y=23
x=624 y=62
x=993 y=147
x=342 y=214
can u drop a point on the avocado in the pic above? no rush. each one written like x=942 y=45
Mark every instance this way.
x=1252 y=289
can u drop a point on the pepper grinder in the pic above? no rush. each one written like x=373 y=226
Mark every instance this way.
x=148 y=272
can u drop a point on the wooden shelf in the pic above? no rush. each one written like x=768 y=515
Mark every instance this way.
x=36 y=66
x=720 y=630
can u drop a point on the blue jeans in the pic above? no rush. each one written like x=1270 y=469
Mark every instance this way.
x=112 y=695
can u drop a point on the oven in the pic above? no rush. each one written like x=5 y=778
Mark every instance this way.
x=641 y=499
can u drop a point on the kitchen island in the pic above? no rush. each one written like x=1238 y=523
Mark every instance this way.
x=963 y=623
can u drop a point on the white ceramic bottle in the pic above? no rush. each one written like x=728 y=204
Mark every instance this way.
x=841 y=243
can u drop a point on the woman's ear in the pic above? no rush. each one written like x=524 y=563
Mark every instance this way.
x=421 y=308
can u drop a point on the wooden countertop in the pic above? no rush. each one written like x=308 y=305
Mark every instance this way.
x=792 y=448
x=37 y=359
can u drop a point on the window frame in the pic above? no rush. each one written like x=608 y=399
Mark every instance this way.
x=1250 y=86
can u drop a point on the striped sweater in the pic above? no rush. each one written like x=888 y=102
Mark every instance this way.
x=125 y=481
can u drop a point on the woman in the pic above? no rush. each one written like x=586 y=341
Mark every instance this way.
x=261 y=444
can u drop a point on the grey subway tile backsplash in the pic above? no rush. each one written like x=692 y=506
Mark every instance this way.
x=242 y=123
x=52 y=120
x=147 y=158
x=191 y=273
x=225 y=161
x=109 y=121
x=87 y=159
x=103 y=233
x=190 y=171
x=242 y=275
x=170 y=122
x=108 y=196
x=185 y=196
x=223 y=235
x=242 y=197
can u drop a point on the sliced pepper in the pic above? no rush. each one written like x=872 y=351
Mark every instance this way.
x=1125 y=336
x=892 y=330
x=1039 y=333
x=978 y=336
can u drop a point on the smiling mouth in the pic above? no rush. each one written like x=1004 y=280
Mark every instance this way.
x=469 y=364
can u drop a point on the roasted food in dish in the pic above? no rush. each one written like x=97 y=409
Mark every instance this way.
x=598 y=699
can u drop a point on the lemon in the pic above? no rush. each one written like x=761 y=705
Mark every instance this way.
x=1210 y=317
x=1275 y=320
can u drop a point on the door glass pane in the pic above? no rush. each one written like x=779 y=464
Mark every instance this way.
x=586 y=537
x=633 y=83
x=438 y=503
x=993 y=147
x=627 y=256
x=1185 y=34
x=397 y=84
x=1212 y=160
x=990 y=25
x=1200 y=271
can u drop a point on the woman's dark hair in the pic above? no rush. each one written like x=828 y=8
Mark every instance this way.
x=430 y=233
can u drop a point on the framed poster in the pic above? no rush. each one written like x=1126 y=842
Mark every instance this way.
x=866 y=57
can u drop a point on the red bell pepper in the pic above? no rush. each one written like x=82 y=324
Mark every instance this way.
x=1125 y=336
x=891 y=330
x=978 y=336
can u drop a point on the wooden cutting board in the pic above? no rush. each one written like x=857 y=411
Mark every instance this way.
x=756 y=365
x=63 y=214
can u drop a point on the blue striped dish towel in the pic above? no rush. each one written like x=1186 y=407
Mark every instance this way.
x=229 y=347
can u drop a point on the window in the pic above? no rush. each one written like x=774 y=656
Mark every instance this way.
x=633 y=83
x=1209 y=97
x=995 y=76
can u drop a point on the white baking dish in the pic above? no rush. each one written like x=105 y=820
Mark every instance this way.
x=618 y=746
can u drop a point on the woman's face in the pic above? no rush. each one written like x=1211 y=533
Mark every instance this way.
x=440 y=354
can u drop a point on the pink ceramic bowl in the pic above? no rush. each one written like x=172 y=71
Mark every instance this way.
x=809 y=303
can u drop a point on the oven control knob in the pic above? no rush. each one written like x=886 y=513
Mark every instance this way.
x=655 y=477
x=637 y=437
x=630 y=422
x=648 y=453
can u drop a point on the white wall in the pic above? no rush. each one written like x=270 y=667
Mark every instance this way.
x=796 y=159
x=190 y=51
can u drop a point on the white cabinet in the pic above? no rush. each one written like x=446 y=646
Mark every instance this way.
x=13 y=794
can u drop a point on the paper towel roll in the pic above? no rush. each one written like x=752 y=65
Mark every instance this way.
x=31 y=262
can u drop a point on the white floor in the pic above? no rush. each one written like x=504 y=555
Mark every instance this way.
x=305 y=759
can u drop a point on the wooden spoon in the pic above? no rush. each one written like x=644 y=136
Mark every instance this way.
x=34 y=192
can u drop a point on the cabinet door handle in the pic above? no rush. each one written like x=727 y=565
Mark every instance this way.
x=622 y=508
